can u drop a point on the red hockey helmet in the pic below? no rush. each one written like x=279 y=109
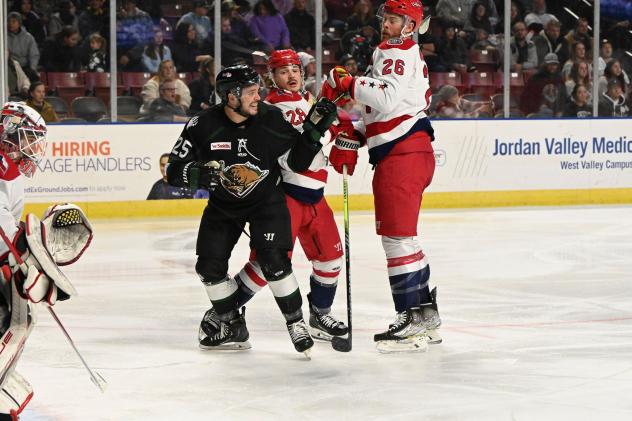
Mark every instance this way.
x=280 y=58
x=22 y=135
x=412 y=9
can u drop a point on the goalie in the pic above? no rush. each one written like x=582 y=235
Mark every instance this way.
x=31 y=252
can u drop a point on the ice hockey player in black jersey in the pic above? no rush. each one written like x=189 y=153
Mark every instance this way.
x=232 y=150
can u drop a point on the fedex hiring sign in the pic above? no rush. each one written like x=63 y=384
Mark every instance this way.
x=101 y=162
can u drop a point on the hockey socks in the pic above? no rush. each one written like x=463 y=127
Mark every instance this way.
x=323 y=283
x=405 y=262
x=223 y=295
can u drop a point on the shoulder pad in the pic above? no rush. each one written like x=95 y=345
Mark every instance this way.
x=279 y=95
x=397 y=43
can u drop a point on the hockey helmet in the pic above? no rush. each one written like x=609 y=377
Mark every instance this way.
x=22 y=136
x=409 y=9
x=235 y=78
x=280 y=58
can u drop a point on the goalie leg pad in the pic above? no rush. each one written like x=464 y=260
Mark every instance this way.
x=15 y=394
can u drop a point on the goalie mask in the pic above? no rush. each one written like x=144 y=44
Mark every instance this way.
x=23 y=136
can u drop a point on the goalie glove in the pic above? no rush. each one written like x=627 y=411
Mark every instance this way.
x=320 y=117
x=200 y=175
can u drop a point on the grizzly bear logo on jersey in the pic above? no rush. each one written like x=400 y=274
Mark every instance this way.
x=240 y=179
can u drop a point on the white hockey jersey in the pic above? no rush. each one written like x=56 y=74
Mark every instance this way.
x=11 y=199
x=307 y=186
x=395 y=95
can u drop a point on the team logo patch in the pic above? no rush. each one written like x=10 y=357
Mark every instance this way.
x=240 y=179
x=220 y=146
x=395 y=41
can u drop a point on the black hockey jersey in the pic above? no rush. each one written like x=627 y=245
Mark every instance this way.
x=248 y=152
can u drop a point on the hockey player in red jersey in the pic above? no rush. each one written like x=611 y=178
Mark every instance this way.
x=29 y=267
x=311 y=217
x=394 y=95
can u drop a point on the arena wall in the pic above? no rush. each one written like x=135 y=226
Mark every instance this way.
x=109 y=169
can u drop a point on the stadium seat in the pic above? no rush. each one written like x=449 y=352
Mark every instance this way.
x=60 y=106
x=134 y=81
x=480 y=83
x=128 y=108
x=438 y=79
x=67 y=85
x=73 y=120
x=89 y=108
x=98 y=83
x=43 y=78
x=516 y=83
x=484 y=60
x=475 y=97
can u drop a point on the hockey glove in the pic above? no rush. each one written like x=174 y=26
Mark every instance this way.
x=345 y=151
x=200 y=175
x=340 y=80
x=326 y=91
x=320 y=117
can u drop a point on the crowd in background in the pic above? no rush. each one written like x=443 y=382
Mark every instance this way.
x=551 y=50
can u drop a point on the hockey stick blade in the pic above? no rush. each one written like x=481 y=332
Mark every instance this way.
x=425 y=24
x=340 y=344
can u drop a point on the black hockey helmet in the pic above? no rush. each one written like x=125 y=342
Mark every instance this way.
x=233 y=79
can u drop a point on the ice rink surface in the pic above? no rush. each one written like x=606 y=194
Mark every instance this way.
x=536 y=306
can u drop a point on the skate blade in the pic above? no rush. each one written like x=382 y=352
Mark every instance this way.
x=434 y=337
x=229 y=346
x=416 y=343
x=308 y=354
x=319 y=335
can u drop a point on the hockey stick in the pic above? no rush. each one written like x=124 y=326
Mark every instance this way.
x=339 y=343
x=96 y=378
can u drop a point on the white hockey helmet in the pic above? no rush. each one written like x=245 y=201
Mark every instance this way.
x=22 y=136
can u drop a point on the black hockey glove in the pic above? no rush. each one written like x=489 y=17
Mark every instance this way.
x=200 y=175
x=320 y=117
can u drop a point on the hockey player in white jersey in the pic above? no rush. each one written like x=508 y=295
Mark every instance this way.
x=31 y=251
x=394 y=96
x=311 y=217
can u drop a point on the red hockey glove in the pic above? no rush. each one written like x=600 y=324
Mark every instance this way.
x=340 y=80
x=345 y=151
x=326 y=91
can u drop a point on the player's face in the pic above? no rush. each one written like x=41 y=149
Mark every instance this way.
x=288 y=78
x=392 y=26
x=250 y=100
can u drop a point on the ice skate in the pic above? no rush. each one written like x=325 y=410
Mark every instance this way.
x=324 y=326
x=300 y=337
x=405 y=334
x=215 y=334
x=431 y=319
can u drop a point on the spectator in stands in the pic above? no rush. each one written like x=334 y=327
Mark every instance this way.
x=18 y=82
x=98 y=58
x=187 y=53
x=430 y=48
x=283 y=6
x=31 y=20
x=453 y=12
x=134 y=26
x=37 y=101
x=579 y=75
x=363 y=15
x=451 y=105
x=234 y=49
x=517 y=14
x=203 y=88
x=349 y=62
x=523 y=52
x=64 y=16
x=200 y=21
x=309 y=67
x=22 y=46
x=301 y=26
x=269 y=26
x=533 y=94
x=239 y=24
x=580 y=34
x=578 y=54
x=166 y=71
x=166 y=108
x=453 y=50
x=61 y=54
x=155 y=52
x=578 y=105
x=534 y=27
x=605 y=55
x=311 y=9
x=539 y=14
x=612 y=102
x=614 y=70
x=339 y=11
x=96 y=18
x=478 y=19
x=163 y=190
x=484 y=42
x=551 y=42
